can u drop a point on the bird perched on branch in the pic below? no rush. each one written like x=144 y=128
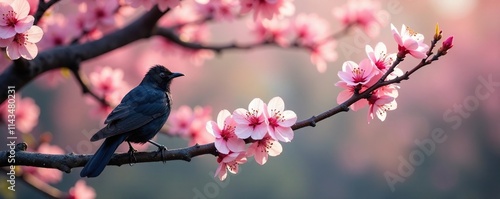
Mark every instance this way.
x=138 y=117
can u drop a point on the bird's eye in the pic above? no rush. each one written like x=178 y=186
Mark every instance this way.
x=162 y=75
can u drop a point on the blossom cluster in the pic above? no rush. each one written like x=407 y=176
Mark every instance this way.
x=108 y=83
x=17 y=32
x=190 y=123
x=264 y=124
x=356 y=78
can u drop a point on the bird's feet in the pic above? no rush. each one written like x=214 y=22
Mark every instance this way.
x=161 y=149
x=131 y=155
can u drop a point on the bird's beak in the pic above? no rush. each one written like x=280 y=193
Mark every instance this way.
x=174 y=75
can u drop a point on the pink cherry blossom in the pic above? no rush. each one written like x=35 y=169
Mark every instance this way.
x=81 y=191
x=198 y=134
x=23 y=44
x=26 y=113
x=262 y=149
x=190 y=124
x=78 y=22
x=364 y=13
x=410 y=42
x=380 y=105
x=230 y=162
x=99 y=13
x=107 y=83
x=391 y=89
x=106 y=80
x=380 y=57
x=267 y=8
x=274 y=30
x=148 y=4
x=180 y=120
x=251 y=122
x=15 y=18
x=44 y=174
x=223 y=131
x=354 y=74
x=347 y=93
x=323 y=52
x=279 y=120
x=310 y=29
x=219 y=9
x=60 y=32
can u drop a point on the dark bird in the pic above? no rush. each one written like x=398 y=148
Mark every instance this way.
x=138 y=117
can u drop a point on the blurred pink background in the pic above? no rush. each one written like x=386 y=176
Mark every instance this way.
x=343 y=157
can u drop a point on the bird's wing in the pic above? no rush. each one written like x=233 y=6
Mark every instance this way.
x=139 y=107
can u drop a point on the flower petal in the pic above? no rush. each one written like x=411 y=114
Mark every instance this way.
x=6 y=42
x=289 y=118
x=259 y=132
x=213 y=129
x=380 y=48
x=7 y=32
x=21 y=7
x=370 y=53
x=275 y=149
x=396 y=35
x=410 y=44
x=236 y=145
x=13 y=51
x=239 y=116
x=221 y=118
x=34 y=34
x=256 y=105
x=221 y=171
x=4 y=8
x=276 y=104
x=346 y=77
x=359 y=104
x=221 y=146
x=25 y=24
x=243 y=131
x=283 y=134
x=260 y=155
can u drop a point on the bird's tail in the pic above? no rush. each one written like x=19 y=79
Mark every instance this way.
x=98 y=162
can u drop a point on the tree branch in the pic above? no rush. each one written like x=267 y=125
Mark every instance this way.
x=67 y=162
x=22 y=72
x=171 y=35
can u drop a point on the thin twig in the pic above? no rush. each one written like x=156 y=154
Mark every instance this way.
x=171 y=35
x=85 y=88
